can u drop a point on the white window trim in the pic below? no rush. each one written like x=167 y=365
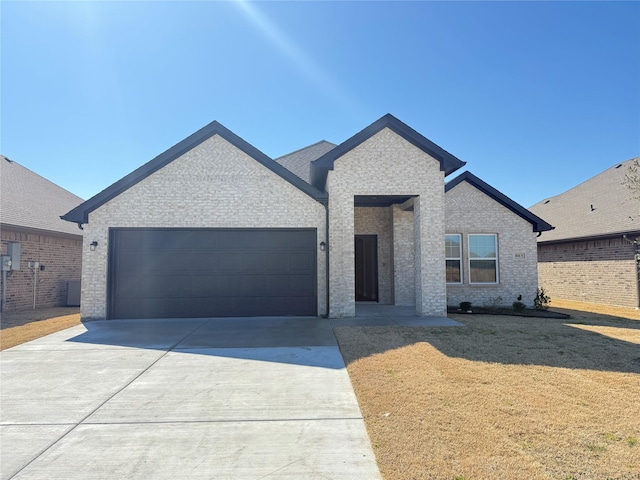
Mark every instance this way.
x=469 y=259
x=459 y=259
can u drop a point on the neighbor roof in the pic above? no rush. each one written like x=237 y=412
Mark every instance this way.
x=538 y=224
x=600 y=206
x=299 y=162
x=30 y=201
x=80 y=214
x=320 y=167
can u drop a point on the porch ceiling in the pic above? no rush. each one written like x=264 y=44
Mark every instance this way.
x=379 y=200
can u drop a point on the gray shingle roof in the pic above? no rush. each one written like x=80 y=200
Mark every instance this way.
x=600 y=206
x=299 y=162
x=30 y=201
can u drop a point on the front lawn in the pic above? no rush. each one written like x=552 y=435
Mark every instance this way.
x=504 y=397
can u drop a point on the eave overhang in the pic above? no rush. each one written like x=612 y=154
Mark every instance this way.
x=320 y=167
x=537 y=223
x=80 y=214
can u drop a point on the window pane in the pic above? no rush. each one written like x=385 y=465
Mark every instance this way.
x=453 y=271
x=483 y=271
x=452 y=246
x=482 y=246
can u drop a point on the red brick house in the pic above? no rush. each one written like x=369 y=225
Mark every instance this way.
x=593 y=254
x=47 y=250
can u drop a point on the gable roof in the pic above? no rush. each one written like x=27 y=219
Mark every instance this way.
x=538 y=224
x=30 y=201
x=320 y=167
x=299 y=162
x=80 y=214
x=600 y=206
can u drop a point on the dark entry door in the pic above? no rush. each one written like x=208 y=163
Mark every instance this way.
x=191 y=273
x=367 y=268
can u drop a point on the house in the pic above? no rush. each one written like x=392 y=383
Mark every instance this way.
x=593 y=254
x=214 y=227
x=45 y=251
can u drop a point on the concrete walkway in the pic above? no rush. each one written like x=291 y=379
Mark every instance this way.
x=194 y=399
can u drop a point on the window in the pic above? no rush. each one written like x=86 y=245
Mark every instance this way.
x=483 y=258
x=453 y=254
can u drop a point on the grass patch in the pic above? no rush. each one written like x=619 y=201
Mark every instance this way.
x=503 y=397
x=12 y=336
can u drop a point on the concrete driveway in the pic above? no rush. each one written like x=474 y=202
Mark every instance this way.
x=249 y=398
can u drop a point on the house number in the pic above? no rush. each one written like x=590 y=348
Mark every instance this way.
x=520 y=255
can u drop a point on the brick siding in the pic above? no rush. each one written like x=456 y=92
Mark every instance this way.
x=214 y=185
x=61 y=257
x=471 y=211
x=387 y=164
x=595 y=271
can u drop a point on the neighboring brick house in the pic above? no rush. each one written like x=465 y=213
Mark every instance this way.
x=30 y=210
x=592 y=255
x=214 y=227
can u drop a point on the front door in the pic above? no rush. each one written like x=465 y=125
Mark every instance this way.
x=366 y=268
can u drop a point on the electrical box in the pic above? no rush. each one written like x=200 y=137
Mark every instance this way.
x=6 y=263
x=13 y=251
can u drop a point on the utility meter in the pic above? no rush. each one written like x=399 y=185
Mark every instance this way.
x=6 y=263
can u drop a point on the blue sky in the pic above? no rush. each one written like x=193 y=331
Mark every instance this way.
x=536 y=97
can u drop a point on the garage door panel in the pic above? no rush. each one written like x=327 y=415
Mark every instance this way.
x=209 y=272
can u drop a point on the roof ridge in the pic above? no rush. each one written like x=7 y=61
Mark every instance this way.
x=12 y=161
x=614 y=166
x=304 y=148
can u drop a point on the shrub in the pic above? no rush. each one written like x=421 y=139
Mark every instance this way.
x=494 y=303
x=519 y=306
x=465 y=306
x=541 y=302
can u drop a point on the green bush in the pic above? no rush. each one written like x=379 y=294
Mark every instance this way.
x=464 y=306
x=541 y=302
x=519 y=306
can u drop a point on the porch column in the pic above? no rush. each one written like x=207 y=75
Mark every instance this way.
x=341 y=256
x=404 y=276
x=428 y=222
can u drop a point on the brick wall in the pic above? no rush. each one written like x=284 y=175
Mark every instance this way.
x=214 y=185
x=468 y=210
x=387 y=164
x=404 y=277
x=62 y=259
x=595 y=271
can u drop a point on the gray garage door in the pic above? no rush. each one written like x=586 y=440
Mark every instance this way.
x=191 y=273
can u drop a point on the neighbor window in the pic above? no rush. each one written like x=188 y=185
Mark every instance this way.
x=453 y=254
x=483 y=258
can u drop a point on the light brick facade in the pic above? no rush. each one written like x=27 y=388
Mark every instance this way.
x=222 y=182
x=60 y=255
x=214 y=185
x=468 y=211
x=594 y=271
x=387 y=164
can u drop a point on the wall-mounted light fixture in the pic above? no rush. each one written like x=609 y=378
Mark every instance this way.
x=323 y=246
x=93 y=245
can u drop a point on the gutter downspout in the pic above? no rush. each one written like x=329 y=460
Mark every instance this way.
x=3 y=301
x=35 y=283
x=636 y=257
x=326 y=253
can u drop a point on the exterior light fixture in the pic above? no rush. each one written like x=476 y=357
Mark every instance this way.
x=323 y=246
x=93 y=245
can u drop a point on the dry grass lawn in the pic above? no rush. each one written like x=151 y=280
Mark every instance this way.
x=30 y=326
x=502 y=398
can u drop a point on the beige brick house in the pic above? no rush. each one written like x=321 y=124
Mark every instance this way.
x=214 y=227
